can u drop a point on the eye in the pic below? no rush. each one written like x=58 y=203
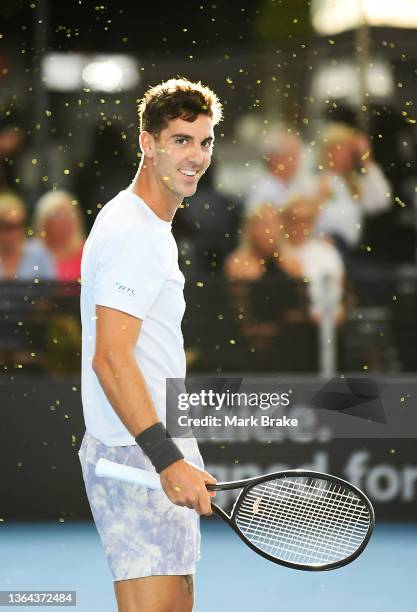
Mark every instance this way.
x=207 y=144
x=180 y=140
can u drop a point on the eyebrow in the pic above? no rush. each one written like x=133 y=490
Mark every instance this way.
x=188 y=137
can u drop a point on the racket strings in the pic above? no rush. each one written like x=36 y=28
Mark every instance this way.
x=305 y=538
x=315 y=520
x=327 y=551
x=304 y=520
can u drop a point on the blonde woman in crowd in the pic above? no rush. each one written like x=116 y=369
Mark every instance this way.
x=320 y=263
x=268 y=291
x=257 y=253
x=59 y=224
x=356 y=185
x=279 y=244
x=21 y=258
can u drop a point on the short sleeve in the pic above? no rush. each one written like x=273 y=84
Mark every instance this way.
x=129 y=278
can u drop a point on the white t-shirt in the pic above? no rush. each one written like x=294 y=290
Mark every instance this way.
x=270 y=190
x=130 y=263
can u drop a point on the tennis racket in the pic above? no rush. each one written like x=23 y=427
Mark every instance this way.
x=301 y=519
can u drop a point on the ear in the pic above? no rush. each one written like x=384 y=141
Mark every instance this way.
x=147 y=144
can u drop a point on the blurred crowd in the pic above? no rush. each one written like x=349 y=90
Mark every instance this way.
x=292 y=242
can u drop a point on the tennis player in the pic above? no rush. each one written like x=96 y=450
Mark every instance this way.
x=132 y=305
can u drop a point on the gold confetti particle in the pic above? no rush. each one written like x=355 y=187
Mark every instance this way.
x=199 y=284
x=365 y=367
x=231 y=341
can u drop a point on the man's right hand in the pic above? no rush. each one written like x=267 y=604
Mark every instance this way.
x=185 y=485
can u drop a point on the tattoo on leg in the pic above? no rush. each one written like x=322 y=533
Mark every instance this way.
x=189 y=580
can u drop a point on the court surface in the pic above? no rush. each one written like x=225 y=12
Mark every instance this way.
x=55 y=556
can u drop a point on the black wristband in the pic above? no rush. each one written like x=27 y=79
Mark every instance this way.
x=157 y=444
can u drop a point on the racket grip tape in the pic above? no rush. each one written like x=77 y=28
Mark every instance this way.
x=126 y=473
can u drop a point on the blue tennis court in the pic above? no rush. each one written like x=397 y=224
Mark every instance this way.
x=68 y=556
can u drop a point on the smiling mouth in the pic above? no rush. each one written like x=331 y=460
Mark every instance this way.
x=189 y=173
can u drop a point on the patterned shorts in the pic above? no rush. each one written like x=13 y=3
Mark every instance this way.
x=142 y=532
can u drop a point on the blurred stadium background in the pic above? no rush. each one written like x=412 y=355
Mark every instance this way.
x=71 y=74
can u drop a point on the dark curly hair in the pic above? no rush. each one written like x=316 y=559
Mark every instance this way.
x=176 y=98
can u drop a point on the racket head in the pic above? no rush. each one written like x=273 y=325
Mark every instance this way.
x=301 y=519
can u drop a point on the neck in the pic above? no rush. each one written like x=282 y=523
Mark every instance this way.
x=163 y=202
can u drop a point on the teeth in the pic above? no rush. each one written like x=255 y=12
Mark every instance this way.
x=188 y=172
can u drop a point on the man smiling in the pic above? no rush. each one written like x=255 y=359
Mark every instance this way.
x=131 y=307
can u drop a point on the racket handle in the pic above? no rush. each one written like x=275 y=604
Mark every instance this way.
x=126 y=473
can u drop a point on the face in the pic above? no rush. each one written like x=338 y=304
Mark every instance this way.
x=340 y=158
x=263 y=231
x=298 y=221
x=12 y=228
x=285 y=164
x=181 y=154
x=10 y=141
x=60 y=226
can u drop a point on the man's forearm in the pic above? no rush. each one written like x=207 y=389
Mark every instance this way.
x=125 y=388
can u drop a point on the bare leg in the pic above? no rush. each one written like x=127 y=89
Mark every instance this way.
x=155 y=594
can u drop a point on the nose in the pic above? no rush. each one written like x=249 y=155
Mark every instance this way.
x=196 y=155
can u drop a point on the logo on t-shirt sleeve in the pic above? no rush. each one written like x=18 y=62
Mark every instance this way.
x=121 y=288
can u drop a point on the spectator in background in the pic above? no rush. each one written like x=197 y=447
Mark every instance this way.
x=257 y=253
x=21 y=258
x=284 y=174
x=271 y=300
x=272 y=293
x=59 y=224
x=318 y=260
x=356 y=184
